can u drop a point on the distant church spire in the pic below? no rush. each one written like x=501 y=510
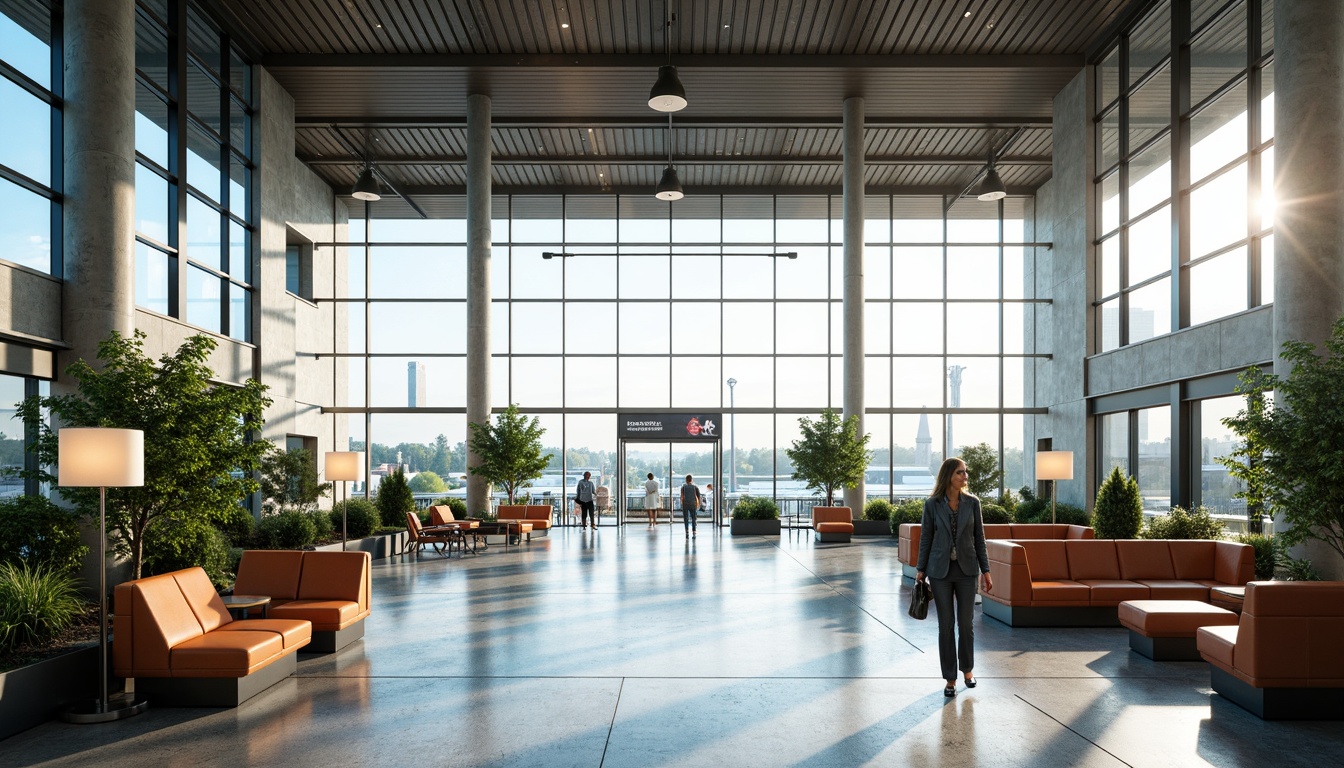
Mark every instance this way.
x=923 y=442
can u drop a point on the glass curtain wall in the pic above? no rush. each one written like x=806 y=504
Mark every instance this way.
x=643 y=306
x=194 y=217
x=30 y=172
x=1185 y=163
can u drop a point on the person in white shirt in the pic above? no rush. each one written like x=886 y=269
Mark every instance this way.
x=652 y=501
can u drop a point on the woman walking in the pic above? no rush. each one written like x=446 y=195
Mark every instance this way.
x=951 y=553
x=651 y=500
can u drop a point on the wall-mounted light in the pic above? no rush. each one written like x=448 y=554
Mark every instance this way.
x=556 y=255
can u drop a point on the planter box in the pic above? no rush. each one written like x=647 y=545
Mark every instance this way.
x=33 y=694
x=378 y=547
x=872 y=528
x=753 y=527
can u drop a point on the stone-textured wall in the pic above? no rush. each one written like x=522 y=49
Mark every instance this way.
x=30 y=303
x=1229 y=344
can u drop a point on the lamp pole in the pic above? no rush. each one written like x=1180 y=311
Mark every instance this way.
x=732 y=438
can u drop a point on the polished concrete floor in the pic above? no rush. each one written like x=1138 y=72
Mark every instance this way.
x=639 y=648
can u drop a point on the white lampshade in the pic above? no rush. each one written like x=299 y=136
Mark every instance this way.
x=345 y=465
x=97 y=457
x=1054 y=465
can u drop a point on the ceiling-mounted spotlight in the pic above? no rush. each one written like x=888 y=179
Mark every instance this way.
x=367 y=186
x=668 y=94
x=992 y=188
x=669 y=188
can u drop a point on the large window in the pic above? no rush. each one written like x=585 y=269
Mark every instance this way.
x=194 y=221
x=1185 y=104
x=646 y=306
x=29 y=166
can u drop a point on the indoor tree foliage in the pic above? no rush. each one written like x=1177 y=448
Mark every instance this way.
x=289 y=481
x=830 y=454
x=509 y=451
x=1299 y=439
x=982 y=463
x=198 y=459
x=1118 y=513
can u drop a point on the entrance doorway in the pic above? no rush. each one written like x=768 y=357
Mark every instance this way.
x=669 y=461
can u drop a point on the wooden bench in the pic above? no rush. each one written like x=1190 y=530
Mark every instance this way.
x=1164 y=630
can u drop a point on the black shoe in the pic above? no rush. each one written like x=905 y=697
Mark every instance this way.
x=950 y=690
x=970 y=682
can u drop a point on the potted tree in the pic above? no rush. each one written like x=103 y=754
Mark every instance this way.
x=830 y=455
x=510 y=454
x=755 y=516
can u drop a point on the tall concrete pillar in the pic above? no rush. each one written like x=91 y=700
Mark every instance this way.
x=98 y=214
x=1309 y=160
x=478 y=286
x=853 y=293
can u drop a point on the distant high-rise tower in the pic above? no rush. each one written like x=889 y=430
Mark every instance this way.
x=923 y=442
x=416 y=396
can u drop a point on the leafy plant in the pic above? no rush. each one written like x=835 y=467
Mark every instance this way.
x=36 y=603
x=237 y=526
x=198 y=459
x=394 y=498
x=1181 y=523
x=1297 y=569
x=287 y=530
x=1299 y=440
x=509 y=451
x=323 y=530
x=1118 y=513
x=427 y=482
x=1269 y=553
x=1008 y=500
x=37 y=532
x=830 y=454
x=171 y=545
x=908 y=511
x=361 y=517
x=756 y=508
x=459 y=508
x=982 y=463
x=1038 y=511
x=878 y=509
x=993 y=513
x=289 y=481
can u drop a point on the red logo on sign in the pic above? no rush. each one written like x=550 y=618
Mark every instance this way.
x=693 y=426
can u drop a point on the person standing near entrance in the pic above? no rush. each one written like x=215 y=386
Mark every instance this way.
x=690 y=506
x=652 y=501
x=951 y=553
x=585 y=493
x=707 y=503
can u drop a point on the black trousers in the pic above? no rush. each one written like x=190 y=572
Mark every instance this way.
x=954 y=598
x=587 y=512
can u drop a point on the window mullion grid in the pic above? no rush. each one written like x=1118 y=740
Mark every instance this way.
x=1122 y=306
x=1180 y=166
x=57 y=140
x=177 y=158
x=1254 y=79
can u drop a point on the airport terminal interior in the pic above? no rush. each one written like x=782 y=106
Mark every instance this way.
x=1013 y=228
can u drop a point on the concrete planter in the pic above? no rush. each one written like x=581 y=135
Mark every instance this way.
x=753 y=527
x=33 y=694
x=378 y=547
x=872 y=528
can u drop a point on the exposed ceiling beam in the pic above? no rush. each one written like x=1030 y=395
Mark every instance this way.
x=737 y=160
x=684 y=62
x=562 y=189
x=313 y=122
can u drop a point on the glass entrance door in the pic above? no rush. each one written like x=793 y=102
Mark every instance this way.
x=669 y=463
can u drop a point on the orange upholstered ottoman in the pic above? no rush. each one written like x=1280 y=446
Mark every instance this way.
x=1164 y=630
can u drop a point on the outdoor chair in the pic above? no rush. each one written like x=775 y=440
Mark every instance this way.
x=441 y=537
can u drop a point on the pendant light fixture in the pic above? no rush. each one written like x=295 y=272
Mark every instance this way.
x=991 y=188
x=667 y=94
x=367 y=186
x=669 y=188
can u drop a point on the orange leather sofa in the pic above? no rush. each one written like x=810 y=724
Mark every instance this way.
x=833 y=524
x=907 y=545
x=1283 y=660
x=330 y=589
x=1079 y=583
x=172 y=633
x=539 y=515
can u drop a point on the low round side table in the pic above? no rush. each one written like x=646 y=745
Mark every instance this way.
x=1230 y=598
x=240 y=605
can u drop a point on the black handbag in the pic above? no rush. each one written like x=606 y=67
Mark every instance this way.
x=920 y=596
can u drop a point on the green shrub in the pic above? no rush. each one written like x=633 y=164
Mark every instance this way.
x=1038 y=511
x=384 y=530
x=36 y=603
x=1008 y=501
x=235 y=557
x=1181 y=523
x=756 y=508
x=39 y=533
x=1118 y=513
x=394 y=500
x=1297 y=569
x=287 y=530
x=908 y=511
x=878 y=509
x=238 y=526
x=172 y=544
x=361 y=517
x=993 y=513
x=322 y=527
x=1269 y=553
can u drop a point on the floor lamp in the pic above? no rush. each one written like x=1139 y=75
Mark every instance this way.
x=94 y=457
x=1052 y=466
x=344 y=466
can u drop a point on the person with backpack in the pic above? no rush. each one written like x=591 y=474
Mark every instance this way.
x=690 y=505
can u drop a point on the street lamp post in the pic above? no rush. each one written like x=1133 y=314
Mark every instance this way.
x=732 y=438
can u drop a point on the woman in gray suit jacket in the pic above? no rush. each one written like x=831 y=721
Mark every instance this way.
x=951 y=553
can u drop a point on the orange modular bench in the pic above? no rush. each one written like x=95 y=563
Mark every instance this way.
x=173 y=634
x=907 y=545
x=833 y=524
x=539 y=515
x=1164 y=630
x=1283 y=660
x=1079 y=582
x=329 y=589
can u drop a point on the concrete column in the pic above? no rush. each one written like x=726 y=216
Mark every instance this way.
x=98 y=296
x=1309 y=162
x=853 y=293
x=478 y=286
